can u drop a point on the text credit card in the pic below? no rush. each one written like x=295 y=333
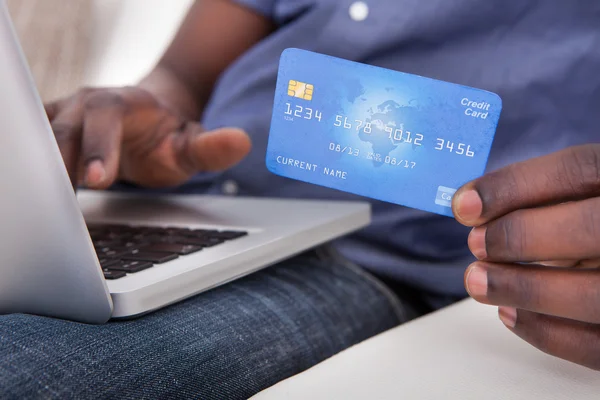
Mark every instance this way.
x=374 y=132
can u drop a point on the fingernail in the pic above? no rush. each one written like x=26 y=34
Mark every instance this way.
x=477 y=282
x=508 y=316
x=477 y=242
x=469 y=207
x=95 y=173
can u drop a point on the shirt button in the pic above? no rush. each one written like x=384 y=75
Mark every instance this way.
x=359 y=11
x=230 y=187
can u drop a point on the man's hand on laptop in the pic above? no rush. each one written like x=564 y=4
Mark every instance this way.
x=126 y=133
x=149 y=134
x=537 y=236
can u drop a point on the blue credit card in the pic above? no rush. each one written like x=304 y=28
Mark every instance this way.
x=374 y=132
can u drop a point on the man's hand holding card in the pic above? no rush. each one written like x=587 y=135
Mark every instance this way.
x=423 y=143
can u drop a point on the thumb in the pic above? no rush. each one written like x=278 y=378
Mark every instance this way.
x=197 y=150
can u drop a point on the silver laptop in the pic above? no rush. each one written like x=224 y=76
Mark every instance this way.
x=99 y=255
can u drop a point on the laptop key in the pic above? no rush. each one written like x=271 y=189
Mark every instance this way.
x=132 y=244
x=151 y=238
x=109 y=274
x=210 y=241
x=180 y=240
x=204 y=232
x=110 y=236
x=105 y=243
x=156 y=258
x=130 y=266
x=181 y=249
x=213 y=238
x=112 y=252
x=230 y=235
x=195 y=241
x=176 y=231
x=107 y=262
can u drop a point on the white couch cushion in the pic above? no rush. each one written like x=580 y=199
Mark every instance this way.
x=462 y=352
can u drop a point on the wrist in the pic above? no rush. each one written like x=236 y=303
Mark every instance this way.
x=173 y=92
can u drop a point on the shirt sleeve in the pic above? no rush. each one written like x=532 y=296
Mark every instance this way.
x=264 y=7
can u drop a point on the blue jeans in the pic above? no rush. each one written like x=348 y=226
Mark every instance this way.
x=228 y=343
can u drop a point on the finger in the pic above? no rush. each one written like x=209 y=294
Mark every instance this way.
x=101 y=143
x=592 y=263
x=567 y=175
x=568 y=231
x=67 y=127
x=595 y=263
x=52 y=109
x=557 y=263
x=574 y=341
x=562 y=292
x=196 y=150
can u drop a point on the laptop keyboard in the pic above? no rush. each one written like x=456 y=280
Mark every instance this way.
x=124 y=249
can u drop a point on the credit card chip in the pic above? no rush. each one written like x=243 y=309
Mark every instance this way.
x=301 y=90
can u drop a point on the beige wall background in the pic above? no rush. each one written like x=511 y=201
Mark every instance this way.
x=70 y=43
x=55 y=35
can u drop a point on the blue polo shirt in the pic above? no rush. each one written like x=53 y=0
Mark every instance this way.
x=541 y=57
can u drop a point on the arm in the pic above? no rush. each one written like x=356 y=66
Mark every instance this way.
x=149 y=134
x=212 y=36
